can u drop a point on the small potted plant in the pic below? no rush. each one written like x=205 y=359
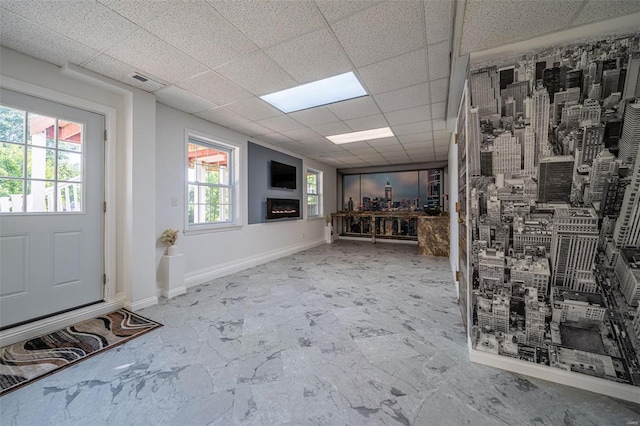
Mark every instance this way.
x=169 y=237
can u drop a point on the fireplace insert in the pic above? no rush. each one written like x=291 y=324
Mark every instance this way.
x=278 y=208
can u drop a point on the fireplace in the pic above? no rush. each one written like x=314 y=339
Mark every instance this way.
x=278 y=208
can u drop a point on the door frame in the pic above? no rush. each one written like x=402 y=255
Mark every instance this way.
x=111 y=300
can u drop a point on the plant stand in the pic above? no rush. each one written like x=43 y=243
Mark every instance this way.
x=328 y=234
x=172 y=275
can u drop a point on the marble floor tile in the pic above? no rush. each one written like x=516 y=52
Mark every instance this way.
x=350 y=333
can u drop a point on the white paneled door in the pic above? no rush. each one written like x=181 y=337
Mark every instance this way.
x=51 y=208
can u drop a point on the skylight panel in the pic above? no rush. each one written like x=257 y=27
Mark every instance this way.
x=322 y=92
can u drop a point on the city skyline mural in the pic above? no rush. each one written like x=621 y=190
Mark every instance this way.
x=554 y=179
x=406 y=190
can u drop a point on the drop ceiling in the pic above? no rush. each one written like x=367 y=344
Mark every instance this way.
x=214 y=59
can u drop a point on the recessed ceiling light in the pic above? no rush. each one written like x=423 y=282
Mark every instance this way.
x=365 y=135
x=322 y=92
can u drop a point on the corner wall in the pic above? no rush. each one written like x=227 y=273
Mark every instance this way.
x=212 y=254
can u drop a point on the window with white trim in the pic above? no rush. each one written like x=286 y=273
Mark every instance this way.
x=210 y=178
x=314 y=193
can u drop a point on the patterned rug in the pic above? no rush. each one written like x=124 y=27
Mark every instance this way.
x=33 y=359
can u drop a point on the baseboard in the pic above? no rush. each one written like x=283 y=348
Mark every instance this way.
x=378 y=240
x=173 y=292
x=577 y=380
x=47 y=325
x=207 y=274
x=140 y=304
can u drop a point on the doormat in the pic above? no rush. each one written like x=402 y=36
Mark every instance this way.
x=33 y=359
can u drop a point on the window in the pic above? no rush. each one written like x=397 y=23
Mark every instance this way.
x=210 y=183
x=314 y=179
x=40 y=163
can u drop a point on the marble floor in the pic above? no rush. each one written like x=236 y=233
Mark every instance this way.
x=344 y=334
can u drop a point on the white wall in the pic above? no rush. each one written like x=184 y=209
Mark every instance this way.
x=216 y=253
x=145 y=155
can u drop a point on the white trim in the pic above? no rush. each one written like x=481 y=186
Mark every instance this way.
x=556 y=375
x=236 y=208
x=173 y=292
x=141 y=304
x=207 y=274
x=110 y=173
x=47 y=325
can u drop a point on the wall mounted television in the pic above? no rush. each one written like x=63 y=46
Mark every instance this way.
x=283 y=175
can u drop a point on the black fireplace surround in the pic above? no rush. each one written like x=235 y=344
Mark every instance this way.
x=278 y=208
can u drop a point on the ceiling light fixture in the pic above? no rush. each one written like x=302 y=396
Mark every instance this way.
x=322 y=92
x=365 y=135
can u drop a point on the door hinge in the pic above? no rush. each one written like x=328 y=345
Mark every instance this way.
x=104 y=207
x=104 y=279
x=105 y=135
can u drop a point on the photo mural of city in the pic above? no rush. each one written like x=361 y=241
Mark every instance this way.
x=554 y=207
x=393 y=191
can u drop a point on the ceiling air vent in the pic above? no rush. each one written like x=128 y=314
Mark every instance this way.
x=143 y=82
x=140 y=78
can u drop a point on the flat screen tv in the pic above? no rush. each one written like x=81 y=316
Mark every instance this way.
x=283 y=175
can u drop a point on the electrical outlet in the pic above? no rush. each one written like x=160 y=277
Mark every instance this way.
x=174 y=202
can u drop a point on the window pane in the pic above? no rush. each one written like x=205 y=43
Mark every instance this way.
x=69 y=197
x=42 y=130
x=41 y=163
x=69 y=166
x=11 y=160
x=69 y=135
x=40 y=196
x=208 y=165
x=11 y=125
x=11 y=195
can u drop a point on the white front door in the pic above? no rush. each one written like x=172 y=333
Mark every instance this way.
x=51 y=208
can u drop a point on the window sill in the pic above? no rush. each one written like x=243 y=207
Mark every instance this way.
x=315 y=218
x=206 y=229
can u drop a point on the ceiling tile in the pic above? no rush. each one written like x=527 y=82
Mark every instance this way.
x=269 y=23
x=251 y=129
x=181 y=99
x=275 y=138
x=280 y=124
x=383 y=31
x=390 y=141
x=385 y=149
x=311 y=57
x=331 y=129
x=314 y=116
x=367 y=123
x=118 y=70
x=408 y=129
x=258 y=74
x=439 y=124
x=395 y=73
x=403 y=98
x=530 y=19
x=438 y=110
x=355 y=108
x=438 y=17
x=254 y=109
x=441 y=149
x=203 y=34
x=140 y=12
x=215 y=88
x=441 y=134
x=410 y=115
x=335 y=10
x=417 y=144
x=222 y=117
x=24 y=36
x=442 y=157
x=93 y=24
x=598 y=10
x=152 y=55
x=303 y=135
x=439 y=90
x=292 y=146
x=441 y=145
x=398 y=158
x=416 y=137
x=438 y=60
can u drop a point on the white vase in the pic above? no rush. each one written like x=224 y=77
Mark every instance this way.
x=172 y=250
